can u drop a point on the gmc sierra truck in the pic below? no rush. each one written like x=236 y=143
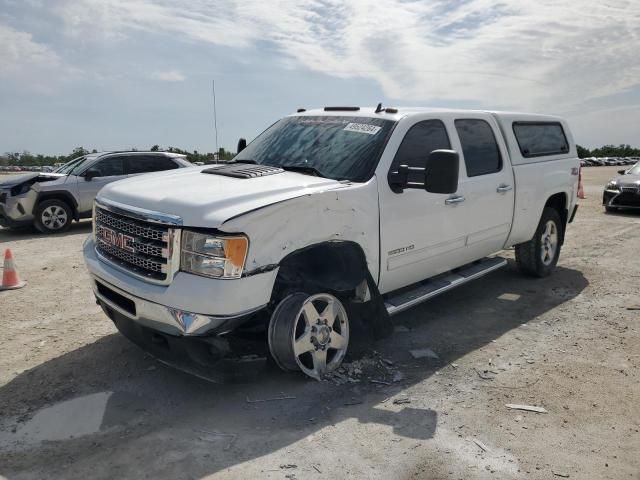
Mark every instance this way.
x=325 y=226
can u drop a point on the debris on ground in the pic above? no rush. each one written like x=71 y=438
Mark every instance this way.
x=484 y=375
x=316 y=469
x=424 y=353
x=482 y=446
x=560 y=474
x=287 y=466
x=527 y=408
x=232 y=437
x=371 y=368
x=401 y=400
x=260 y=400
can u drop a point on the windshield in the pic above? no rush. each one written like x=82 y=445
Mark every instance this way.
x=341 y=148
x=635 y=170
x=72 y=166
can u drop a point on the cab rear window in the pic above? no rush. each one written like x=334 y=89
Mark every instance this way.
x=538 y=139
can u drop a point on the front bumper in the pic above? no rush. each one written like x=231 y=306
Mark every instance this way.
x=13 y=214
x=622 y=199
x=190 y=306
x=212 y=358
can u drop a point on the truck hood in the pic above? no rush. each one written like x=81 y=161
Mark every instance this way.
x=206 y=200
x=13 y=180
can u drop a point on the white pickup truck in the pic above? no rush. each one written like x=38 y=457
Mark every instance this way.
x=326 y=225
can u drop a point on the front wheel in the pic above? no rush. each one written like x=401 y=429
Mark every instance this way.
x=309 y=333
x=538 y=257
x=53 y=216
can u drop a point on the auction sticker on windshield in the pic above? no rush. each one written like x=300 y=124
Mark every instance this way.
x=362 y=128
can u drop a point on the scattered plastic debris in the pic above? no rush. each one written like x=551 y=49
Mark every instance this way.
x=424 y=353
x=527 y=408
x=259 y=400
x=482 y=446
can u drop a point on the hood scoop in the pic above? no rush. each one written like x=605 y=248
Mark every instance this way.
x=243 y=170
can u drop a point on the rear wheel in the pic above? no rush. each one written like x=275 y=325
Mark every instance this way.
x=610 y=209
x=309 y=333
x=538 y=257
x=53 y=216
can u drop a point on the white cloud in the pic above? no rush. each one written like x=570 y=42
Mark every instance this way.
x=31 y=65
x=547 y=54
x=168 y=76
x=18 y=53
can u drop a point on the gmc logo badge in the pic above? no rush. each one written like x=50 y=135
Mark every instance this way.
x=116 y=239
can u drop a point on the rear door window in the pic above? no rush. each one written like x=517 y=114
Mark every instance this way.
x=149 y=163
x=479 y=147
x=537 y=139
x=109 y=167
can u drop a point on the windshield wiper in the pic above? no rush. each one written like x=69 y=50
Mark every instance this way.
x=302 y=169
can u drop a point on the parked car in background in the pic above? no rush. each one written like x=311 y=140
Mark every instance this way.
x=50 y=201
x=623 y=191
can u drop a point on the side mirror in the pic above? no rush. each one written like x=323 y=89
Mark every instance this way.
x=242 y=144
x=91 y=174
x=622 y=172
x=441 y=174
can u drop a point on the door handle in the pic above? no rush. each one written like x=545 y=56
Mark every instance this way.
x=454 y=200
x=503 y=188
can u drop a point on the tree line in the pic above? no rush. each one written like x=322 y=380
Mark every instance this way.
x=29 y=159
x=609 y=151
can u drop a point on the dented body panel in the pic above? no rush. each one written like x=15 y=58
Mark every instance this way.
x=346 y=214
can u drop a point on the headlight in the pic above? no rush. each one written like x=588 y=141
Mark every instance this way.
x=213 y=256
x=612 y=186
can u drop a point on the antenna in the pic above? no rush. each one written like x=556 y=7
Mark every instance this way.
x=215 y=119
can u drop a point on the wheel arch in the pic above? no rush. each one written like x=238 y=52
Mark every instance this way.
x=62 y=195
x=338 y=267
x=560 y=202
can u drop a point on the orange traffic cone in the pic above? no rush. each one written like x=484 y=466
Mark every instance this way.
x=10 y=277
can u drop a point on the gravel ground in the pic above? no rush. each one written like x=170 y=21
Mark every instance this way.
x=78 y=401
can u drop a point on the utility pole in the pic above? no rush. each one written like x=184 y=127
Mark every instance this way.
x=215 y=120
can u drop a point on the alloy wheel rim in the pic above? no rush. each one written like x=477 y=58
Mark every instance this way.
x=549 y=243
x=320 y=338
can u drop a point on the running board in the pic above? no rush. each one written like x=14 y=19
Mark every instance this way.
x=422 y=291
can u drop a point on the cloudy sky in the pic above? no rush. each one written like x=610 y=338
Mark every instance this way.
x=114 y=74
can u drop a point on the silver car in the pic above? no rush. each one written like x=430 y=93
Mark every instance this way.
x=51 y=201
x=623 y=191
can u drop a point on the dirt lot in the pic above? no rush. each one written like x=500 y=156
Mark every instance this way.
x=77 y=400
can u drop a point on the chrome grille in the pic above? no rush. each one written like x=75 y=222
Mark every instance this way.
x=631 y=189
x=141 y=247
x=135 y=228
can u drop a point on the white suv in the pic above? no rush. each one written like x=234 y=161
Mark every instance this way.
x=50 y=201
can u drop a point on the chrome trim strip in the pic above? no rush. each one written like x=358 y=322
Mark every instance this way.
x=395 y=309
x=151 y=314
x=139 y=213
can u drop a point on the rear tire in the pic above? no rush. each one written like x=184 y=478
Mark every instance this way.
x=610 y=209
x=53 y=216
x=538 y=257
